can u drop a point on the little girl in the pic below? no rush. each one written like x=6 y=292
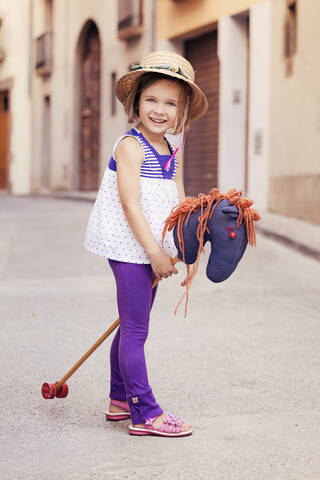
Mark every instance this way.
x=141 y=185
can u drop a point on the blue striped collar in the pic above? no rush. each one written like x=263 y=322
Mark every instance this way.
x=152 y=147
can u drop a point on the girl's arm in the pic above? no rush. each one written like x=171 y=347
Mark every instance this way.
x=179 y=179
x=182 y=197
x=129 y=156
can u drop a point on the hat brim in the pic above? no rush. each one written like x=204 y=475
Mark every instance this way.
x=198 y=104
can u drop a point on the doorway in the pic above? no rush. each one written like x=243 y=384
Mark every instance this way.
x=46 y=143
x=201 y=150
x=4 y=139
x=89 y=79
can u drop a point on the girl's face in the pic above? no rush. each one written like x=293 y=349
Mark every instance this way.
x=158 y=106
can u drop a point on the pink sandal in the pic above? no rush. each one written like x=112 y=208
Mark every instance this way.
x=171 y=427
x=118 y=415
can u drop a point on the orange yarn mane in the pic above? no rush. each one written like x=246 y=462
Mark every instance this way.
x=183 y=210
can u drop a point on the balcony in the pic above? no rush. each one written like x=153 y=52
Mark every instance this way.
x=2 y=50
x=43 y=63
x=130 y=19
x=2 y=54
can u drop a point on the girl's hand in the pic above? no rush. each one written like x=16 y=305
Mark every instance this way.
x=161 y=264
x=183 y=284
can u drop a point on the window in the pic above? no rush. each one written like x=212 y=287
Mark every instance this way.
x=290 y=35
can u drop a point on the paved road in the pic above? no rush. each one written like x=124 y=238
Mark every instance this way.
x=244 y=366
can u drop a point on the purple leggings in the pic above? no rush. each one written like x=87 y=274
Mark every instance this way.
x=129 y=379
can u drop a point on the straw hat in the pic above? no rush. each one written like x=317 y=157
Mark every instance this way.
x=167 y=63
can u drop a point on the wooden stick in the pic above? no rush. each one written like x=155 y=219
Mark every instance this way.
x=98 y=342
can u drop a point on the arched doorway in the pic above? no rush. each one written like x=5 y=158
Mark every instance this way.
x=89 y=54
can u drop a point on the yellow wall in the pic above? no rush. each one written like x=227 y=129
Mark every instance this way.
x=176 y=19
x=294 y=166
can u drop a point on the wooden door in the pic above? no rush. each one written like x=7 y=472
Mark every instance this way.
x=90 y=110
x=4 y=139
x=201 y=150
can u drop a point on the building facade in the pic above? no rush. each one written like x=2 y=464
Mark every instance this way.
x=294 y=160
x=254 y=59
x=256 y=62
x=15 y=96
x=228 y=42
x=59 y=65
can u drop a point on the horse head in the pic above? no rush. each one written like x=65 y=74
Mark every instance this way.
x=223 y=220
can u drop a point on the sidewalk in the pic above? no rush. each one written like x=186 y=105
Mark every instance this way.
x=295 y=233
x=248 y=349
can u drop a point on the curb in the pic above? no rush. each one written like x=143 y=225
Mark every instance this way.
x=266 y=232
x=64 y=196
x=305 y=249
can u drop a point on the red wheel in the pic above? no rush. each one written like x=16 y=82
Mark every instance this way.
x=48 y=390
x=63 y=391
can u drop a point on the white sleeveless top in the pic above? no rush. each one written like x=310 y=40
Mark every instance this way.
x=108 y=232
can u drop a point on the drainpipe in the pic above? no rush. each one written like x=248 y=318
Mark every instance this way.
x=153 y=25
x=31 y=58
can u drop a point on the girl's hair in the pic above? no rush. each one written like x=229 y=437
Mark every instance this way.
x=131 y=106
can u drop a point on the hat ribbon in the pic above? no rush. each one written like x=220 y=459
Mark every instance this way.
x=171 y=68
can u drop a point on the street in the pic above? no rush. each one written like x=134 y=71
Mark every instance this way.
x=243 y=367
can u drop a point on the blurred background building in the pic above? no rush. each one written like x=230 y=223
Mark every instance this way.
x=60 y=61
x=255 y=60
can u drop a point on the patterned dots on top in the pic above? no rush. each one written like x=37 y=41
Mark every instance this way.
x=108 y=232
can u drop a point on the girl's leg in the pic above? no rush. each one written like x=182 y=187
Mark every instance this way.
x=135 y=297
x=117 y=388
